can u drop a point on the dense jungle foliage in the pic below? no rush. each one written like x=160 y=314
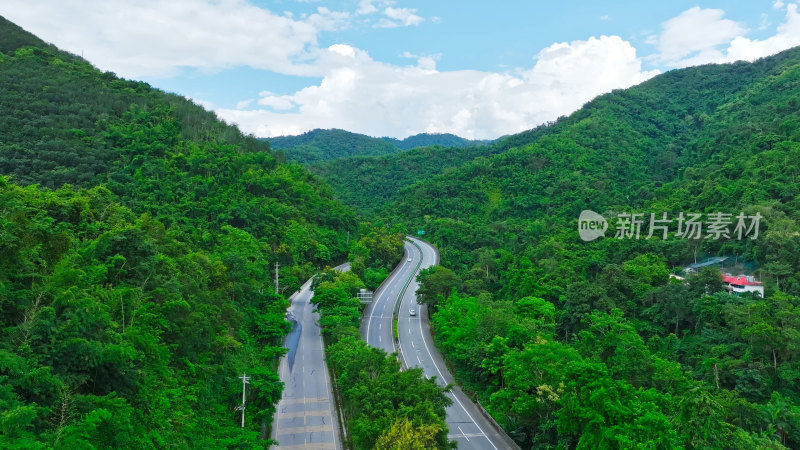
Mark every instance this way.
x=118 y=332
x=370 y=183
x=434 y=139
x=324 y=145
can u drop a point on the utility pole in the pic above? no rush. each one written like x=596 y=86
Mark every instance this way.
x=245 y=381
x=276 y=276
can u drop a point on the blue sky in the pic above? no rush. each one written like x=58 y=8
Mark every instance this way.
x=397 y=67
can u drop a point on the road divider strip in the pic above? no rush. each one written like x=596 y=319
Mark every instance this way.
x=396 y=312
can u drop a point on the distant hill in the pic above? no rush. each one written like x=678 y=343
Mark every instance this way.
x=320 y=145
x=326 y=145
x=372 y=182
x=427 y=139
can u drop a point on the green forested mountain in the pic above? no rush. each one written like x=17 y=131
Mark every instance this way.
x=368 y=184
x=658 y=113
x=431 y=139
x=319 y=146
x=15 y=37
x=63 y=122
x=138 y=234
x=324 y=145
x=589 y=344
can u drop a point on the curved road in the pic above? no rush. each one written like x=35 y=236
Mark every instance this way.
x=467 y=425
x=305 y=416
x=376 y=323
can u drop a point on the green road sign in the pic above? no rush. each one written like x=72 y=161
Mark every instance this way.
x=420 y=232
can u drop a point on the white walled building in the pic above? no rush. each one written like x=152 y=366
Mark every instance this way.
x=742 y=283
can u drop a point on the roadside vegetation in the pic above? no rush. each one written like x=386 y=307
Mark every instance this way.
x=384 y=406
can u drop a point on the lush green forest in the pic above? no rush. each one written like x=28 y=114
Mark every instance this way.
x=118 y=332
x=319 y=146
x=138 y=234
x=370 y=183
x=324 y=145
x=573 y=344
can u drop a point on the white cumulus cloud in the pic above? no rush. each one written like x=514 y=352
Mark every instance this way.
x=695 y=35
x=378 y=99
x=155 y=38
x=152 y=38
x=389 y=17
x=701 y=36
x=242 y=104
x=366 y=7
x=787 y=36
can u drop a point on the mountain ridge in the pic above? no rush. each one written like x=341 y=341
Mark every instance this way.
x=322 y=145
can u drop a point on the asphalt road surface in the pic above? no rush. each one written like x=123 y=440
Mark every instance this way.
x=466 y=423
x=306 y=417
x=376 y=324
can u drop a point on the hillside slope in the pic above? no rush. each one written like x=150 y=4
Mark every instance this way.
x=368 y=184
x=324 y=145
x=138 y=234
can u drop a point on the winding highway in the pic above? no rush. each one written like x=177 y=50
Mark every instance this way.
x=305 y=416
x=376 y=323
x=467 y=425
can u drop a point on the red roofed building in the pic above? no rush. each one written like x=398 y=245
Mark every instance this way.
x=742 y=283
